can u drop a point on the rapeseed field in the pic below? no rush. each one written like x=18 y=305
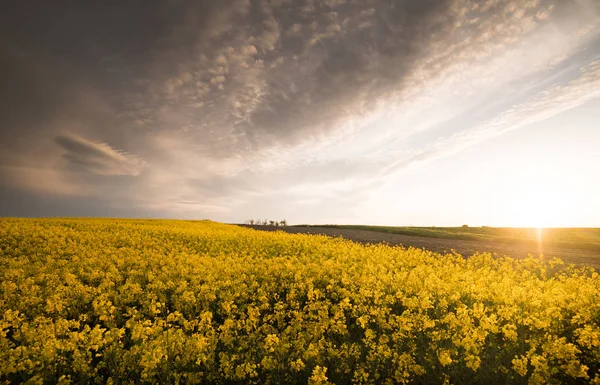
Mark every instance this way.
x=95 y=301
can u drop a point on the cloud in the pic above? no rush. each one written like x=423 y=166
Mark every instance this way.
x=252 y=75
x=238 y=102
x=544 y=105
x=99 y=158
x=266 y=74
x=551 y=102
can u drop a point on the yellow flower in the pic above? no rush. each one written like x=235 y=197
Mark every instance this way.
x=444 y=357
x=519 y=364
x=319 y=376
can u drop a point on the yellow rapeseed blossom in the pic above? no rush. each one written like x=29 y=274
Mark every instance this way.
x=319 y=376
x=519 y=364
x=98 y=301
x=444 y=357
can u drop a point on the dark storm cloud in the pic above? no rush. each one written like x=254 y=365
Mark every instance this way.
x=231 y=76
x=242 y=75
x=353 y=56
x=237 y=75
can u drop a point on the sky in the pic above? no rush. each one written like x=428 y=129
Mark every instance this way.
x=390 y=112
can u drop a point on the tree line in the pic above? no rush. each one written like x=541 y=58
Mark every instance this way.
x=265 y=222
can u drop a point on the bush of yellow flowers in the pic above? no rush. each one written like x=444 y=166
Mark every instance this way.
x=95 y=301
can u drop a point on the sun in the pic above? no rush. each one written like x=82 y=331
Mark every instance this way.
x=537 y=193
x=541 y=208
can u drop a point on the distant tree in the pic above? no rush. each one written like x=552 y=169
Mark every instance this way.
x=465 y=225
x=266 y=222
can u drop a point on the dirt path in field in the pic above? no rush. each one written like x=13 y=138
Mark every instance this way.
x=463 y=247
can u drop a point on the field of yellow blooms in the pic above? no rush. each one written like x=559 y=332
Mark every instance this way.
x=149 y=301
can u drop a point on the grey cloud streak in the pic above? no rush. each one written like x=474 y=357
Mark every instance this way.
x=99 y=158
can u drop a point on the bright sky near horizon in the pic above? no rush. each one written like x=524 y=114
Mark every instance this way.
x=413 y=112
